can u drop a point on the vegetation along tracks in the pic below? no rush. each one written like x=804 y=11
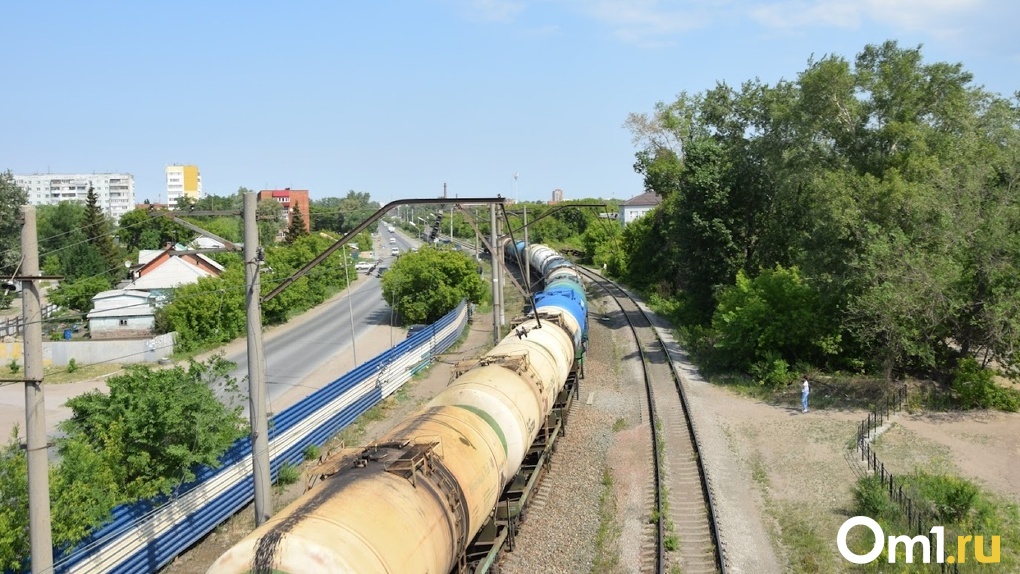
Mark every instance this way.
x=685 y=527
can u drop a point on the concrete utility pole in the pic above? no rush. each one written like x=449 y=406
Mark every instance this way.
x=39 y=533
x=256 y=366
x=527 y=260
x=493 y=252
x=502 y=279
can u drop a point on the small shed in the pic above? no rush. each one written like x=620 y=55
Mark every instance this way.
x=121 y=314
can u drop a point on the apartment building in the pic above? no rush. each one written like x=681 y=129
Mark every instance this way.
x=115 y=191
x=182 y=181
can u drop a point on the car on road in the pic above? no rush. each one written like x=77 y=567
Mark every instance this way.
x=395 y=251
x=364 y=266
x=393 y=239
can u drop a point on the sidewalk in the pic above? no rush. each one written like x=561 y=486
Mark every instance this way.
x=12 y=396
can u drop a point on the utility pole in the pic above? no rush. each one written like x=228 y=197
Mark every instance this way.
x=527 y=260
x=496 y=311
x=39 y=533
x=350 y=310
x=502 y=279
x=256 y=366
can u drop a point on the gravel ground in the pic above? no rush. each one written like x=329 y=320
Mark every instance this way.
x=562 y=535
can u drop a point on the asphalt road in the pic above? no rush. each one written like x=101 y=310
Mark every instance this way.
x=291 y=357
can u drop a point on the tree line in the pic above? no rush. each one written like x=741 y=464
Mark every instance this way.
x=860 y=217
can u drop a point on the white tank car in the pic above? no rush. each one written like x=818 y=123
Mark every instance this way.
x=413 y=501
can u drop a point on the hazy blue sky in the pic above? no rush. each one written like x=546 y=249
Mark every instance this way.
x=397 y=97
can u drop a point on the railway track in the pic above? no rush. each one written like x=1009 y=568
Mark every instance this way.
x=685 y=532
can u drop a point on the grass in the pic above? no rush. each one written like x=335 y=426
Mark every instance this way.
x=835 y=391
x=607 y=553
x=810 y=551
x=58 y=374
x=959 y=505
x=619 y=425
x=289 y=474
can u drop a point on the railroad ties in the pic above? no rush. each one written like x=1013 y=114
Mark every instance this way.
x=682 y=533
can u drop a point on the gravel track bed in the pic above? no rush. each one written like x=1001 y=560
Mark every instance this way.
x=560 y=535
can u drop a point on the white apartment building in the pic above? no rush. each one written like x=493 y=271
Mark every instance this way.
x=181 y=181
x=115 y=191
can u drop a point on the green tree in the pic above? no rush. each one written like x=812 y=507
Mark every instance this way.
x=325 y=214
x=156 y=425
x=208 y=312
x=886 y=181
x=139 y=229
x=296 y=228
x=775 y=315
x=97 y=229
x=12 y=198
x=426 y=285
x=77 y=295
x=269 y=220
x=59 y=226
x=14 y=510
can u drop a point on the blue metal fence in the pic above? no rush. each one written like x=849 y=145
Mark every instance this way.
x=143 y=536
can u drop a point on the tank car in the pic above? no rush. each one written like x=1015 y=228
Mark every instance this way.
x=413 y=501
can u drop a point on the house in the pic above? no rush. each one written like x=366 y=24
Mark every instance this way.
x=160 y=270
x=637 y=206
x=122 y=313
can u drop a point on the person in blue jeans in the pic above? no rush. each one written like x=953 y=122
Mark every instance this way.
x=805 y=390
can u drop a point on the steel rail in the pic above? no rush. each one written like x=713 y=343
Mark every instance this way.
x=660 y=558
x=713 y=524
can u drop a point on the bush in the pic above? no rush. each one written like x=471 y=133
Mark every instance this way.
x=975 y=388
x=775 y=315
x=773 y=372
x=72 y=366
x=951 y=498
x=14 y=366
x=870 y=498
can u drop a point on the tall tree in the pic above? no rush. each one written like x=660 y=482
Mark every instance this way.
x=97 y=229
x=887 y=181
x=296 y=228
x=426 y=285
x=12 y=198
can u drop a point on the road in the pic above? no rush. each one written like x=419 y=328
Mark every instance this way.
x=324 y=332
x=301 y=356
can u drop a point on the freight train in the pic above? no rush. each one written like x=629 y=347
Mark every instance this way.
x=444 y=489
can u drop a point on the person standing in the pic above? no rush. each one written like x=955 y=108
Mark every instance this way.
x=805 y=390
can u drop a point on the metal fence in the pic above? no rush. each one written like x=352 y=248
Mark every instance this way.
x=919 y=520
x=144 y=536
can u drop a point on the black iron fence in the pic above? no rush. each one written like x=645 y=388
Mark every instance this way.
x=919 y=519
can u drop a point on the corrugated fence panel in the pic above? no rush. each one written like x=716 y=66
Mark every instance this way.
x=144 y=536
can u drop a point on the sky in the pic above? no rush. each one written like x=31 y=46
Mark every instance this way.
x=398 y=97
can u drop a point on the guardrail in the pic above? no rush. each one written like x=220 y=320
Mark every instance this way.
x=144 y=536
